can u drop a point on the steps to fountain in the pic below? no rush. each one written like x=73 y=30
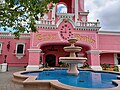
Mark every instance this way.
x=72 y=61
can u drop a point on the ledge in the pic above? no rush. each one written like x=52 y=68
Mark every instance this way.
x=30 y=83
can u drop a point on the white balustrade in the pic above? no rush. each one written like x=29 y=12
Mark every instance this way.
x=65 y=15
x=47 y=22
x=88 y=24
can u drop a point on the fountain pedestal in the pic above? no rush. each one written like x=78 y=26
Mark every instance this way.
x=72 y=60
x=72 y=70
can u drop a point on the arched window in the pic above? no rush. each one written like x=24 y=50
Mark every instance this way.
x=61 y=8
x=20 y=47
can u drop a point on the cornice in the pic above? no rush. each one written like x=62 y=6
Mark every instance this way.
x=11 y=35
x=34 y=50
x=109 y=32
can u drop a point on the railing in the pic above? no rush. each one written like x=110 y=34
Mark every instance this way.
x=47 y=22
x=88 y=24
x=65 y=15
x=11 y=35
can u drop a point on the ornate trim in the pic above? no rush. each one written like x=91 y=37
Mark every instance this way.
x=70 y=20
x=34 y=50
x=93 y=52
x=109 y=32
x=0 y=47
x=83 y=13
x=46 y=26
x=96 y=68
x=11 y=35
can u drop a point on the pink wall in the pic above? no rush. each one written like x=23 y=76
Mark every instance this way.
x=109 y=42
x=107 y=58
x=12 y=60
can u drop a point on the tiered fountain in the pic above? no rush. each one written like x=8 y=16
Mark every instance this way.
x=72 y=60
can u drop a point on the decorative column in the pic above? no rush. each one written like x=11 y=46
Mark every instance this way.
x=34 y=59
x=76 y=11
x=94 y=59
x=53 y=12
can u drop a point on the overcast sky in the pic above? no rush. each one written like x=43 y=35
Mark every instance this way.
x=107 y=11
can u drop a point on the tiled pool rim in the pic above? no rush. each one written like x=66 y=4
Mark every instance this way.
x=30 y=82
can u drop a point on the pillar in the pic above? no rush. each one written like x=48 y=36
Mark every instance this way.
x=76 y=11
x=94 y=59
x=34 y=59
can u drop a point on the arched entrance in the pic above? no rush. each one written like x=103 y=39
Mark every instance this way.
x=51 y=60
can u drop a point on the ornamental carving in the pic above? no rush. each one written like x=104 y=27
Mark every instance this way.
x=46 y=37
x=84 y=38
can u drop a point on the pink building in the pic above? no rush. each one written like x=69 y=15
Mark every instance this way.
x=54 y=28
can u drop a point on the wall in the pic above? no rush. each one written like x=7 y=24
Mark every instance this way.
x=109 y=42
x=11 y=59
x=107 y=58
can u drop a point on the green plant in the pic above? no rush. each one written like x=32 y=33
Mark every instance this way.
x=116 y=68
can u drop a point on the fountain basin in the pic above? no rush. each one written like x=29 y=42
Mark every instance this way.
x=73 y=59
x=30 y=81
x=72 y=49
x=72 y=40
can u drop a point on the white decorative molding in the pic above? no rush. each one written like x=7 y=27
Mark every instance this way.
x=109 y=51
x=65 y=15
x=109 y=32
x=83 y=13
x=0 y=47
x=115 y=59
x=32 y=67
x=53 y=13
x=46 y=26
x=96 y=68
x=87 y=28
x=20 y=55
x=46 y=22
x=11 y=35
x=70 y=20
x=76 y=11
x=93 y=52
x=34 y=50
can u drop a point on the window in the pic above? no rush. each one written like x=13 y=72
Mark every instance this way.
x=20 y=47
x=61 y=8
x=20 y=50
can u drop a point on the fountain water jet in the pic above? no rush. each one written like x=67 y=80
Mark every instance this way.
x=72 y=60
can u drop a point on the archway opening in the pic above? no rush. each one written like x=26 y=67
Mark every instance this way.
x=50 y=60
x=61 y=8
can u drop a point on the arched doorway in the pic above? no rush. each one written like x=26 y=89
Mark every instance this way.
x=51 y=60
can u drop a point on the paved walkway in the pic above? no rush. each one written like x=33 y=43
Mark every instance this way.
x=6 y=79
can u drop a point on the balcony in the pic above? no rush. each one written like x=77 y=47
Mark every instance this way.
x=47 y=22
x=88 y=24
x=65 y=15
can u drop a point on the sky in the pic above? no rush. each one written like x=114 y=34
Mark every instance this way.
x=107 y=11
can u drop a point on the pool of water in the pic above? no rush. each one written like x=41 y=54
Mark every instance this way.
x=85 y=79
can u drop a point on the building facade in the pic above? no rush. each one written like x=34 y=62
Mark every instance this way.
x=54 y=29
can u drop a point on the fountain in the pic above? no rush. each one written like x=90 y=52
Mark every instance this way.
x=72 y=60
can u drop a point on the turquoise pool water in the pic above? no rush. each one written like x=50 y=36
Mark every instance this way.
x=85 y=79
